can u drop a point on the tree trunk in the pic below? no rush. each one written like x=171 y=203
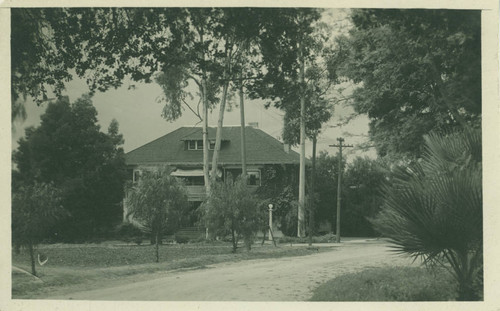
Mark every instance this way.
x=302 y=172
x=466 y=276
x=206 y=176
x=466 y=291
x=205 y=144
x=220 y=120
x=233 y=239
x=312 y=202
x=205 y=136
x=205 y=118
x=243 y=137
x=32 y=257
x=157 y=247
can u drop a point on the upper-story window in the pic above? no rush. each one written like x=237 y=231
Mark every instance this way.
x=198 y=145
x=195 y=145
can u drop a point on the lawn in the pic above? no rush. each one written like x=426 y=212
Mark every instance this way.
x=73 y=267
x=389 y=284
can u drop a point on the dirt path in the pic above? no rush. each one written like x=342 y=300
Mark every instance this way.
x=284 y=279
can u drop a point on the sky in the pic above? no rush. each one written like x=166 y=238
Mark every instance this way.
x=139 y=115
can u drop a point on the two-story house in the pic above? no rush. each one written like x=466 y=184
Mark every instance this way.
x=182 y=149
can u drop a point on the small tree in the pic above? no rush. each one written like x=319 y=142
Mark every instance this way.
x=35 y=209
x=433 y=210
x=232 y=209
x=156 y=202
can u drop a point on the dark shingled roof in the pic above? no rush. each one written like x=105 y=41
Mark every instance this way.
x=170 y=149
x=196 y=134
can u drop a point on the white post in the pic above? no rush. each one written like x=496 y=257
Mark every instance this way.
x=270 y=221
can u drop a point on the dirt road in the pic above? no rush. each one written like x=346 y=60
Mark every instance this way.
x=283 y=279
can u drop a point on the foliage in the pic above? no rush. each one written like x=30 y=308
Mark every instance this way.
x=287 y=44
x=279 y=44
x=88 y=166
x=280 y=187
x=174 y=46
x=288 y=210
x=318 y=111
x=102 y=45
x=326 y=187
x=361 y=199
x=388 y=284
x=319 y=86
x=433 y=209
x=156 y=202
x=35 y=209
x=417 y=71
x=128 y=232
x=35 y=62
x=233 y=210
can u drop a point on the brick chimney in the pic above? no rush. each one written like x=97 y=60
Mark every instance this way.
x=286 y=148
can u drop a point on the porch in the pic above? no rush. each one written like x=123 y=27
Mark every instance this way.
x=196 y=193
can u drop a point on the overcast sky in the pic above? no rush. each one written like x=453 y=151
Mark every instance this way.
x=139 y=115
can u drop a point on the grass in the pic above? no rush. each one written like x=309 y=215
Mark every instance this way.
x=83 y=266
x=389 y=284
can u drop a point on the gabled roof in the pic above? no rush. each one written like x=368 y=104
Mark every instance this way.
x=170 y=148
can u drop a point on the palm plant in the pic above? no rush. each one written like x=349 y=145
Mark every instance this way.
x=433 y=209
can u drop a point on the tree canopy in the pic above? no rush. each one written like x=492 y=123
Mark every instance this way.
x=69 y=150
x=416 y=71
x=318 y=109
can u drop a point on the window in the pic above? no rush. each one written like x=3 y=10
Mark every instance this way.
x=136 y=175
x=211 y=146
x=195 y=181
x=195 y=144
x=253 y=178
x=192 y=145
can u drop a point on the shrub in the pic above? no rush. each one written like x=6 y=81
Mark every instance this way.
x=127 y=231
x=181 y=239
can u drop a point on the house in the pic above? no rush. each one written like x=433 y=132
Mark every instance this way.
x=182 y=149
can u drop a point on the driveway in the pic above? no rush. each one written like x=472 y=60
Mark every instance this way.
x=283 y=279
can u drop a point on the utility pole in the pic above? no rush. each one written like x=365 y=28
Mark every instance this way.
x=339 y=183
x=302 y=165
